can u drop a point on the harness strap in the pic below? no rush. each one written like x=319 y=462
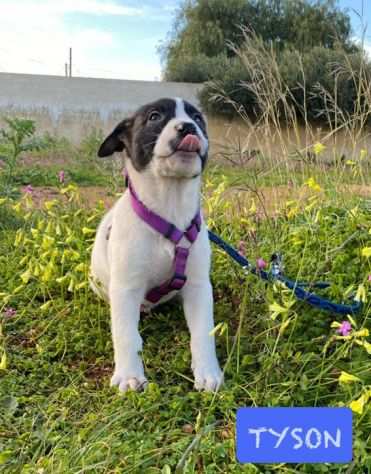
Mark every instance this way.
x=165 y=228
x=172 y=233
x=176 y=282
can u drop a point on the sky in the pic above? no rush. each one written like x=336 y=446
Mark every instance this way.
x=116 y=39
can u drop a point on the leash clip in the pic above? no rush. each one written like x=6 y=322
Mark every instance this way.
x=276 y=265
x=246 y=268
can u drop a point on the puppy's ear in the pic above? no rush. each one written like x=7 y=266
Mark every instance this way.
x=119 y=139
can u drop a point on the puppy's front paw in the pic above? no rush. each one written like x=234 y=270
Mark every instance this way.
x=126 y=380
x=208 y=378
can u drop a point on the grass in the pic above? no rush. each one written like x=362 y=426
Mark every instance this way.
x=59 y=414
x=271 y=189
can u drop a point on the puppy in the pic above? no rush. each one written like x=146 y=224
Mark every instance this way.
x=166 y=147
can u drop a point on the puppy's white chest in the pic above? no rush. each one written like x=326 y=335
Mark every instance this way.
x=162 y=260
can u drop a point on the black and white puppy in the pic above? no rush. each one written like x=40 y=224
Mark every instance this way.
x=135 y=258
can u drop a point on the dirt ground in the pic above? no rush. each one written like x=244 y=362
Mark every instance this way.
x=90 y=195
x=270 y=199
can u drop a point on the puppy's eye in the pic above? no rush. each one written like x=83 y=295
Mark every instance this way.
x=197 y=118
x=154 y=116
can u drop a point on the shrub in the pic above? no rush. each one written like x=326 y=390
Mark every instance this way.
x=319 y=84
x=228 y=82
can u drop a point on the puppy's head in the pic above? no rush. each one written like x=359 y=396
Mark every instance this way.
x=167 y=137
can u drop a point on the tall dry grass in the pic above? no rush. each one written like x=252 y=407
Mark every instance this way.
x=282 y=135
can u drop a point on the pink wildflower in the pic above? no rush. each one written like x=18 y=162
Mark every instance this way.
x=261 y=263
x=344 y=329
x=28 y=189
x=369 y=278
x=61 y=176
x=10 y=312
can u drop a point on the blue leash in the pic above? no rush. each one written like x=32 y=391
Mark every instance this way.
x=297 y=287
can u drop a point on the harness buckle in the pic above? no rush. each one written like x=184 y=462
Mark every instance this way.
x=177 y=281
x=169 y=231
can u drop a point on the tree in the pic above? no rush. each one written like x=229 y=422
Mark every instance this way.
x=206 y=28
x=234 y=46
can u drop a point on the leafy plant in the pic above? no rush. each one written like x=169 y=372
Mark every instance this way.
x=16 y=139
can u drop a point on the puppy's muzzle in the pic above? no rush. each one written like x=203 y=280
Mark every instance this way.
x=189 y=140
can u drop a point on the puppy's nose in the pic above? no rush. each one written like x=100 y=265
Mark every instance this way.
x=185 y=128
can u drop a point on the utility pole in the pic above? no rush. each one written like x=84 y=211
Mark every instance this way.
x=66 y=69
x=70 y=68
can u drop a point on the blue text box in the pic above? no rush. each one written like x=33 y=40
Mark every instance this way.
x=294 y=435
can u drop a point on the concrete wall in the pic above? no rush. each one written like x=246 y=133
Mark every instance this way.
x=71 y=107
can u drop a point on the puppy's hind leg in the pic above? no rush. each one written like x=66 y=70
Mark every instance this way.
x=99 y=267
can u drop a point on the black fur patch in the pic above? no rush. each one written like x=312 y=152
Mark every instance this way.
x=146 y=132
x=119 y=139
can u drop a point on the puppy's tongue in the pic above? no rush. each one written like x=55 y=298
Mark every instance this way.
x=189 y=143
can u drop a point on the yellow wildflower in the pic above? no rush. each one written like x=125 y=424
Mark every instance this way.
x=361 y=294
x=26 y=276
x=18 y=289
x=318 y=148
x=253 y=207
x=86 y=231
x=358 y=405
x=361 y=333
x=311 y=183
x=17 y=207
x=81 y=285
x=50 y=204
x=219 y=328
x=63 y=278
x=45 y=306
x=80 y=267
x=347 y=378
x=364 y=344
x=71 y=285
x=47 y=242
x=3 y=362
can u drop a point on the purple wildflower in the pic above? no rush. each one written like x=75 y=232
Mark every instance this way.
x=261 y=263
x=344 y=329
x=61 y=176
x=28 y=189
x=10 y=312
